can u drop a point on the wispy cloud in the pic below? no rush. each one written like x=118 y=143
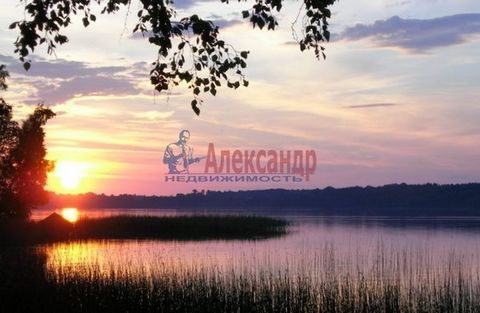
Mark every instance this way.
x=370 y=105
x=417 y=35
x=399 y=3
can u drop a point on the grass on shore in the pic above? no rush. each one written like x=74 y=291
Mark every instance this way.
x=195 y=227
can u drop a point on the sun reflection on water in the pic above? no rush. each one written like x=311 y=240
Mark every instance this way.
x=143 y=259
x=70 y=214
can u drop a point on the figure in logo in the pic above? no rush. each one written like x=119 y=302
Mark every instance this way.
x=179 y=155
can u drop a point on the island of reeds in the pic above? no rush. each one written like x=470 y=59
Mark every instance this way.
x=194 y=227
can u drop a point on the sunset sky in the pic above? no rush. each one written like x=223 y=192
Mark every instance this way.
x=396 y=100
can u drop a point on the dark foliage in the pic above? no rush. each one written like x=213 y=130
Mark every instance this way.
x=3 y=77
x=189 y=48
x=23 y=168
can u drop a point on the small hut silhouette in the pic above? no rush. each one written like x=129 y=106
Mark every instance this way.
x=55 y=226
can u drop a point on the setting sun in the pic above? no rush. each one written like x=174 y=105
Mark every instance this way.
x=69 y=173
x=70 y=214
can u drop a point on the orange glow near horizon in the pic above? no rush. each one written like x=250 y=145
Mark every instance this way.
x=70 y=214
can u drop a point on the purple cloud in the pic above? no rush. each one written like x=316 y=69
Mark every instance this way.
x=59 y=80
x=59 y=68
x=185 y=4
x=417 y=35
x=81 y=86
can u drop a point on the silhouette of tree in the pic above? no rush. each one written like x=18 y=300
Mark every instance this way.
x=189 y=48
x=3 y=77
x=23 y=168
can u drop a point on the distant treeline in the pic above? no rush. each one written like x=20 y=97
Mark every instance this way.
x=395 y=199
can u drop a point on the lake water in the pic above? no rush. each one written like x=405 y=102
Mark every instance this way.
x=315 y=245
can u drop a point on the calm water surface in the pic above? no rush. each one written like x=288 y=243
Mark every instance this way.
x=315 y=246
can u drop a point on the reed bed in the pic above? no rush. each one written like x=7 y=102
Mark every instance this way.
x=397 y=282
x=193 y=227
